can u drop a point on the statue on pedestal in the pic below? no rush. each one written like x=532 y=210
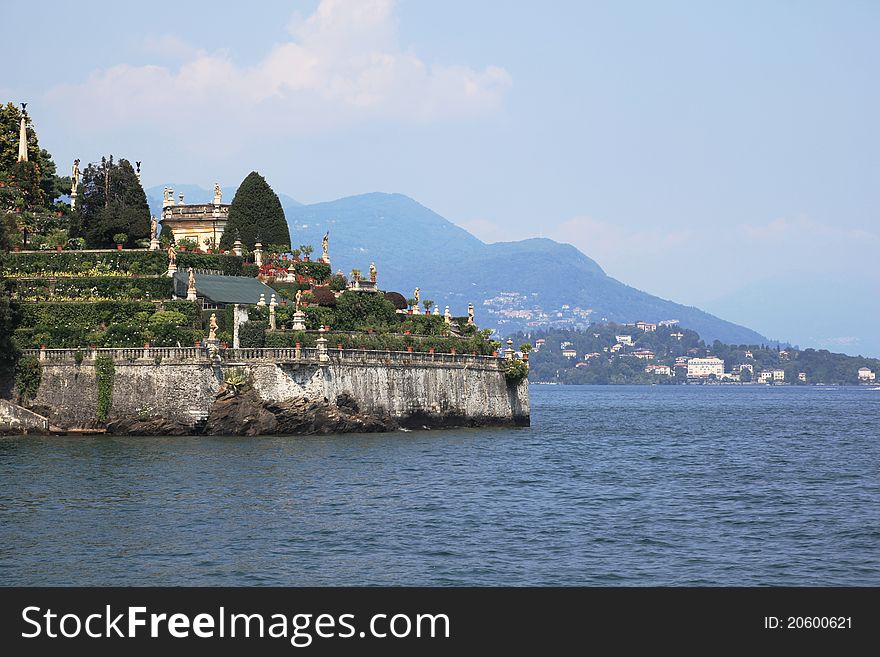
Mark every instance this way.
x=154 y=228
x=212 y=326
x=218 y=194
x=470 y=314
x=172 y=255
x=191 y=284
x=298 y=299
x=325 y=247
x=372 y=272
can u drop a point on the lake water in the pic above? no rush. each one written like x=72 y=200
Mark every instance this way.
x=662 y=485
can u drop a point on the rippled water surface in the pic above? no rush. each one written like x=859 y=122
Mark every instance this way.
x=696 y=485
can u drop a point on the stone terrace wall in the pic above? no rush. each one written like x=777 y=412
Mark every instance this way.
x=422 y=393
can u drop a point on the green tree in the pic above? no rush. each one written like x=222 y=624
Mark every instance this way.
x=111 y=200
x=255 y=213
x=10 y=118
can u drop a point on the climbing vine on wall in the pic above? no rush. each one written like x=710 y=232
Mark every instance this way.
x=104 y=371
x=28 y=373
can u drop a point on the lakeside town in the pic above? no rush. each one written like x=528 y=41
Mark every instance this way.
x=665 y=352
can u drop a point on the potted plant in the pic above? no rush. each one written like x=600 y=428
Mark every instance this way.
x=186 y=243
x=120 y=239
x=306 y=251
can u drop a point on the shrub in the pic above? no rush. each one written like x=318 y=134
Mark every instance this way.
x=120 y=238
x=397 y=299
x=515 y=370
x=28 y=373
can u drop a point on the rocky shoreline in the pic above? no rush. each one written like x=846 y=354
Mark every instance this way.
x=245 y=414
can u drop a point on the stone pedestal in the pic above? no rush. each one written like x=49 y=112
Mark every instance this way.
x=213 y=346
x=236 y=248
x=508 y=353
x=191 y=295
x=154 y=244
x=299 y=321
x=172 y=268
x=323 y=356
x=417 y=310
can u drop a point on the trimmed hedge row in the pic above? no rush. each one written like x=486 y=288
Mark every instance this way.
x=229 y=265
x=80 y=263
x=115 y=263
x=92 y=288
x=255 y=334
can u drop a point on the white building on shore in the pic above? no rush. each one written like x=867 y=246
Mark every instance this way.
x=703 y=368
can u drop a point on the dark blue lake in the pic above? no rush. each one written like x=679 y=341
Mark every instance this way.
x=662 y=485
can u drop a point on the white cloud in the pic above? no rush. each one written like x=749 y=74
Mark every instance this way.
x=344 y=65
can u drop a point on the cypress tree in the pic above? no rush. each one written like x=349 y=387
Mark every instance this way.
x=255 y=212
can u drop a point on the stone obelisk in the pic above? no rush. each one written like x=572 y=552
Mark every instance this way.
x=22 y=136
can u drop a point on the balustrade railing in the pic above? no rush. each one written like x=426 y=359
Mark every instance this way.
x=271 y=354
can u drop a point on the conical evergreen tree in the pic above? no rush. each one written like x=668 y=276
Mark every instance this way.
x=255 y=212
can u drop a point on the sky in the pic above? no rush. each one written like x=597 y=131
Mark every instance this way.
x=722 y=154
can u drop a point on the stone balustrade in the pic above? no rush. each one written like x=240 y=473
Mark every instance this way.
x=320 y=354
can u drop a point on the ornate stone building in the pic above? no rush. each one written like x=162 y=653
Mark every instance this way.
x=203 y=222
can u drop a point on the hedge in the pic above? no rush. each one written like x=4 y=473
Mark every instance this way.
x=254 y=334
x=229 y=265
x=107 y=323
x=92 y=288
x=82 y=263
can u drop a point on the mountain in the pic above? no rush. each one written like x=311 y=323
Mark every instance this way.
x=197 y=194
x=513 y=285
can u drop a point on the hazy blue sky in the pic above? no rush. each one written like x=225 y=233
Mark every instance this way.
x=719 y=154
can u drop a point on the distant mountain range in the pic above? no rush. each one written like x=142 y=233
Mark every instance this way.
x=513 y=285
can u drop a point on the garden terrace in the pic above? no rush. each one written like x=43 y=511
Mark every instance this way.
x=108 y=323
x=97 y=288
x=93 y=263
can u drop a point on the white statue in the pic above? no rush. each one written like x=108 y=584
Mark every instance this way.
x=218 y=194
x=470 y=314
x=373 y=272
x=154 y=228
x=417 y=296
x=212 y=332
x=172 y=254
x=168 y=195
x=191 y=285
x=74 y=178
x=325 y=247
x=298 y=299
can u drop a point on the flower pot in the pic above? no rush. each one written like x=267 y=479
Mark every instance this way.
x=452 y=351
x=407 y=332
x=118 y=246
x=495 y=354
x=16 y=248
x=58 y=247
x=339 y=346
x=146 y=345
x=526 y=355
x=42 y=346
x=431 y=350
x=181 y=248
x=209 y=251
x=409 y=350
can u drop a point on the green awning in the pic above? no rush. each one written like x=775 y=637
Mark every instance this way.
x=224 y=289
